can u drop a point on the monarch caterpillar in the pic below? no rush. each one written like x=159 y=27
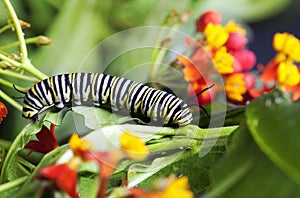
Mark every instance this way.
x=108 y=92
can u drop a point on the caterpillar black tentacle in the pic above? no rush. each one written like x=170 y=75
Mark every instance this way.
x=109 y=92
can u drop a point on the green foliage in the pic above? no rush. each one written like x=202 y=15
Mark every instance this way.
x=262 y=154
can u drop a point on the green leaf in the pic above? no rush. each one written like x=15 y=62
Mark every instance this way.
x=96 y=118
x=139 y=172
x=9 y=167
x=246 y=172
x=55 y=118
x=274 y=125
x=88 y=187
x=194 y=167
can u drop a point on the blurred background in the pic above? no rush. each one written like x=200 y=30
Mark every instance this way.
x=77 y=26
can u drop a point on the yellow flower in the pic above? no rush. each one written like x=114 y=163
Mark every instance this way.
x=177 y=188
x=215 y=35
x=288 y=74
x=235 y=87
x=288 y=44
x=78 y=146
x=233 y=27
x=223 y=61
x=133 y=146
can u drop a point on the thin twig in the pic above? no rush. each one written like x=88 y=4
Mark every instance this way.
x=19 y=31
x=11 y=101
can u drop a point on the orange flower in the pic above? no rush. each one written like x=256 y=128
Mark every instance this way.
x=294 y=91
x=133 y=146
x=3 y=111
x=46 y=141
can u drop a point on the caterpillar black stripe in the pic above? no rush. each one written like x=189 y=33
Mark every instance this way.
x=109 y=92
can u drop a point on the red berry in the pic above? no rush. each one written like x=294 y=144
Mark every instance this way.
x=236 y=41
x=245 y=58
x=211 y=16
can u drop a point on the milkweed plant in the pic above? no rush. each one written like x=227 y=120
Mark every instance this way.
x=254 y=153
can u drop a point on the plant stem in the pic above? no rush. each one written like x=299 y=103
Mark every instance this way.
x=12 y=184
x=26 y=163
x=6 y=27
x=9 y=60
x=27 y=66
x=10 y=101
x=10 y=85
x=23 y=169
x=17 y=75
x=20 y=34
x=16 y=43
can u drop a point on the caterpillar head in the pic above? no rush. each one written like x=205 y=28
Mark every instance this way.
x=29 y=112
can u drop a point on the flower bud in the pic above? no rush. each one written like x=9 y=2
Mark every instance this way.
x=245 y=58
x=211 y=16
x=236 y=41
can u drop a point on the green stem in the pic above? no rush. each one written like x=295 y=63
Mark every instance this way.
x=23 y=169
x=19 y=31
x=27 y=66
x=34 y=71
x=9 y=60
x=26 y=163
x=12 y=102
x=12 y=184
x=17 y=75
x=16 y=43
x=6 y=27
x=10 y=85
x=159 y=53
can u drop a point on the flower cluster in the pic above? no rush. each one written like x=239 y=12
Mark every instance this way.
x=224 y=46
x=282 y=70
x=64 y=176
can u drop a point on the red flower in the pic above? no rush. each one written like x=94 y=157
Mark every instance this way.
x=211 y=16
x=46 y=141
x=3 y=111
x=295 y=91
x=64 y=177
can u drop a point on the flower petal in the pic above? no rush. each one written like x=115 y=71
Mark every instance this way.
x=65 y=177
x=133 y=146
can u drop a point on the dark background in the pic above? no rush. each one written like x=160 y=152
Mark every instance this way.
x=263 y=31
